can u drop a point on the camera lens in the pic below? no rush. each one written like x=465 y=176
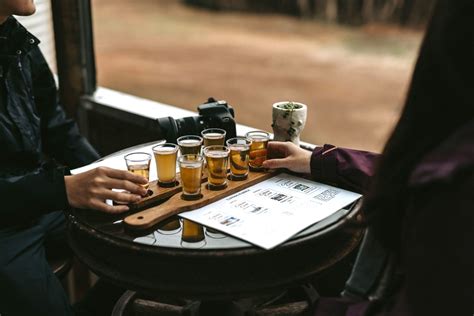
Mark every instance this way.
x=190 y=125
x=215 y=114
x=167 y=129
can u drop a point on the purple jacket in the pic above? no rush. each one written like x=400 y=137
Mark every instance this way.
x=437 y=238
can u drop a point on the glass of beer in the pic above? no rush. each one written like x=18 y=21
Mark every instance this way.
x=239 y=157
x=192 y=232
x=213 y=136
x=165 y=158
x=217 y=157
x=258 y=149
x=190 y=167
x=139 y=164
x=170 y=226
x=190 y=144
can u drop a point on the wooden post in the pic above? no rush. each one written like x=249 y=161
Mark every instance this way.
x=74 y=51
x=76 y=72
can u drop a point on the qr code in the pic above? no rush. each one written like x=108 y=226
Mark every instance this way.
x=327 y=195
x=279 y=197
x=296 y=186
x=303 y=188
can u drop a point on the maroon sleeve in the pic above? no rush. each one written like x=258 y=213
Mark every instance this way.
x=346 y=168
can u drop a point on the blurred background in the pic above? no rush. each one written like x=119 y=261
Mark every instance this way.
x=350 y=61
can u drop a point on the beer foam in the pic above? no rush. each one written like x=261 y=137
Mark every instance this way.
x=217 y=154
x=239 y=147
x=165 y=150
x=191 y=165
x=189 y=142
x=213 y=136
x=259 y=138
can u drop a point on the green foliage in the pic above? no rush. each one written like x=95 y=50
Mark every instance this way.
x=290 y=106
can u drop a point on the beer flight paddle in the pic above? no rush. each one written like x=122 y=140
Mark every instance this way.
x=146 y=219
x=157 y=193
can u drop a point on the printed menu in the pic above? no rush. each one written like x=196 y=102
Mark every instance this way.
x=270 y=212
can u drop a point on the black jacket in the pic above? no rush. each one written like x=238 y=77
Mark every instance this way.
x=37 y=141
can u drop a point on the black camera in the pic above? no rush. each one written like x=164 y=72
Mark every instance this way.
x=212 y=114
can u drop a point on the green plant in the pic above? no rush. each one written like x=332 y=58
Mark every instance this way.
x=290 y=106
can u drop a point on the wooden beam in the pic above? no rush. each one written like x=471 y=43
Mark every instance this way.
x=74 y=51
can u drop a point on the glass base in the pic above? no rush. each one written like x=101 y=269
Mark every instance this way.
x=237 y=178
x=213 y=233
x=191 y=197
x=168 y=184
x=193 y=245
x=214 y=187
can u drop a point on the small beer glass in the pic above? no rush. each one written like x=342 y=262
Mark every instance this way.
x=165 y=158
x=258 y=149
x=190 y=167
x=213 y=136
x=139 y=164
x=217 y=157
x=190 y=144
x=239 y=148
x=170 y=226
x=192 y=232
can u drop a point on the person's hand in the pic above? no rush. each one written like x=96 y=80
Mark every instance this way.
x=91 y=189
x=288 y=155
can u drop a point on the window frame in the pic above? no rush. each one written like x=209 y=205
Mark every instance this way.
x=82 y=98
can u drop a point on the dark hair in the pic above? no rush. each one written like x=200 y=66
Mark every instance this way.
x=439 y=101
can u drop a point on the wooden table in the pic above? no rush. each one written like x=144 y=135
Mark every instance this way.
x=223 y=268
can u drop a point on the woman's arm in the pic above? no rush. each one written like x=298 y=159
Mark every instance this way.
x=347 y=168
x=48 y=189
x=28 y=196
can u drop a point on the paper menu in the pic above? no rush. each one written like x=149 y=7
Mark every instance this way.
x=272 y=211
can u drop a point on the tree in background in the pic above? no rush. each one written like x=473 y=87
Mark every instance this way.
x=355 y=12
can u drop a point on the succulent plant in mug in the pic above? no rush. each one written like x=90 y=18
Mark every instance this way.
x=288 y=120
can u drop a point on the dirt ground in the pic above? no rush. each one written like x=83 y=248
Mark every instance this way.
x=353 y=80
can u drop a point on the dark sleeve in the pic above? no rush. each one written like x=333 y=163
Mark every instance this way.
x=26 y=197
x=346 y=168
x=60 y=135
x=438 y=256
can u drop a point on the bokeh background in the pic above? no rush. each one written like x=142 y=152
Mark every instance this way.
x=349 y=61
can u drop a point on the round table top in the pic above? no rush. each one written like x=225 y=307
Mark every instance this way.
x=210 y=265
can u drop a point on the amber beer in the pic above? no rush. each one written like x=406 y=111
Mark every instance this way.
x=217 y=158
x=239 y=157
x=213 y=136
x=258 y=149
x=192 y=232
x=165 y=158
x=190 y=167
x=169 y=226
x=141 y=170
x=190 y=144
x=139 y=163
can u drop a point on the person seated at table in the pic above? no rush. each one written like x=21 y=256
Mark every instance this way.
x=38 y=144
x=417 y=256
